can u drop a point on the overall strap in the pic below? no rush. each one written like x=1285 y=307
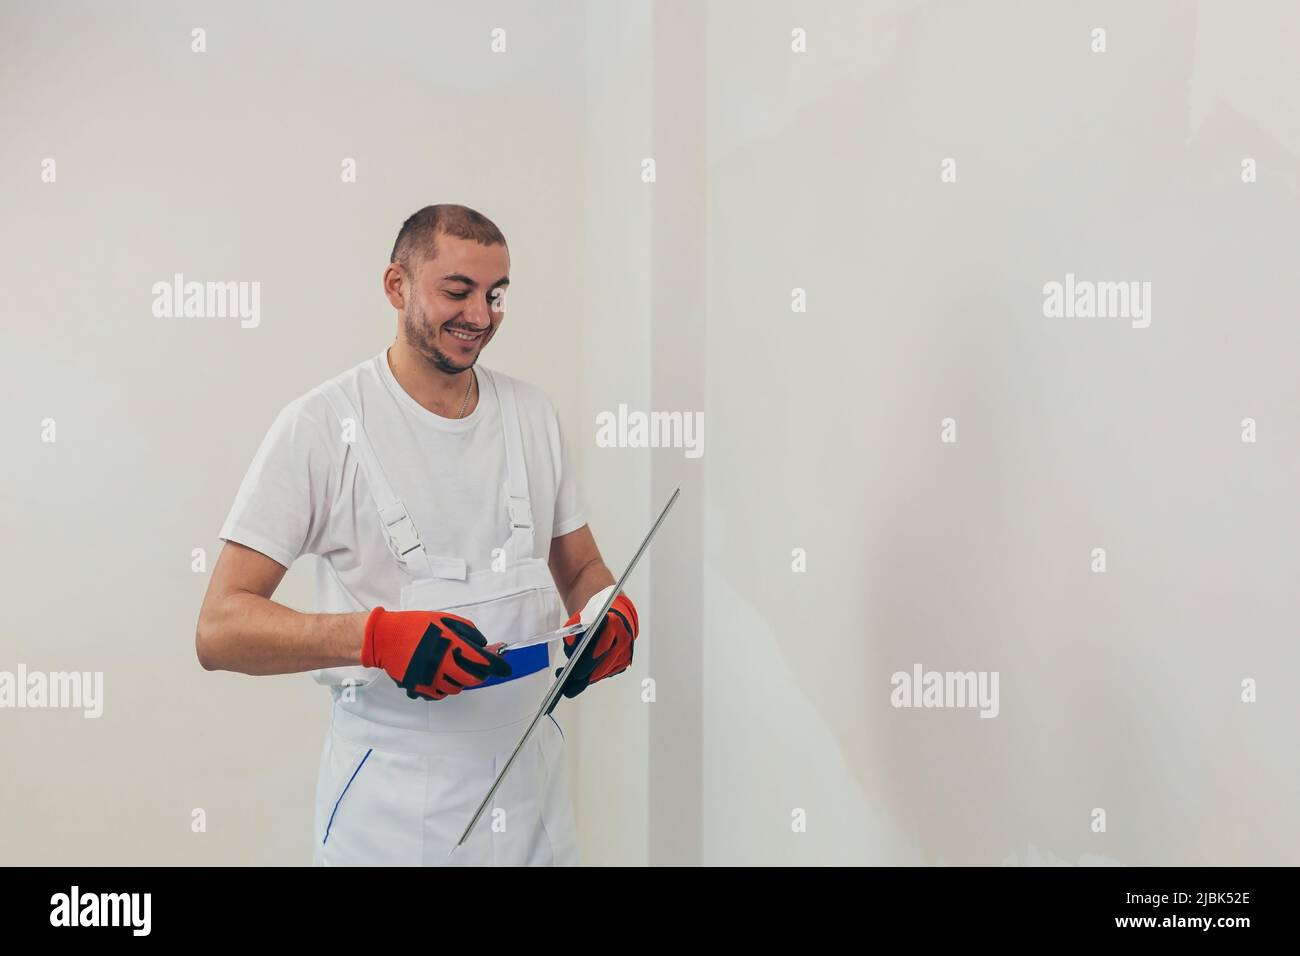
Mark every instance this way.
x=519 y=510
x=403 y=538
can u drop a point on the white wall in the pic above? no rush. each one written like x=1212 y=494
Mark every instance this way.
x=1119 y=691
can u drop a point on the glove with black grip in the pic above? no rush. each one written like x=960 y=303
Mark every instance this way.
x=429 y=654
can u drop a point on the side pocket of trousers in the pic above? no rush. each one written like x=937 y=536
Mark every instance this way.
x=557 y=807
x=343 y=793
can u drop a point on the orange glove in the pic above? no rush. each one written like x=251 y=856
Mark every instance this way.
x=610 y=651
x=429 y=654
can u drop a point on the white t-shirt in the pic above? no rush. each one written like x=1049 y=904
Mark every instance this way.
x=305 y=494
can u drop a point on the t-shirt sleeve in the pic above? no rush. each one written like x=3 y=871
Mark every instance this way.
x=282 y=504
x=568 y=495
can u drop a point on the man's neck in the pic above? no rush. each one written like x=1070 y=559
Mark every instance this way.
x=439 y=392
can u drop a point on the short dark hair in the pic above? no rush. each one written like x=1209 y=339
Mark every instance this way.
x=420 y=231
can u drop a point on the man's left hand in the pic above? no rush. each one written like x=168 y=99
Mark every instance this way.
x=610 y=651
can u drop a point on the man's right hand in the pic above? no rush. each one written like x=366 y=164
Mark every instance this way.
x=429 y=654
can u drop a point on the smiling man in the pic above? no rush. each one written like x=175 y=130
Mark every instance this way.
x=441 y=499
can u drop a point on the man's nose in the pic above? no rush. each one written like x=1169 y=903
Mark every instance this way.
x=480 y=314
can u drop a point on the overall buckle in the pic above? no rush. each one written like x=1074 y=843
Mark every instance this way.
x=521 y=512
x=402 y=537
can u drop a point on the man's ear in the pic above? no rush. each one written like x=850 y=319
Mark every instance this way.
x=397 y=284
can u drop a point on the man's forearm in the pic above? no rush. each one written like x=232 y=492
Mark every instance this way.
x=251 y=634
x=588 y=581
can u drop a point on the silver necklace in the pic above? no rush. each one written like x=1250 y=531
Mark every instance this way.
x=467 y=391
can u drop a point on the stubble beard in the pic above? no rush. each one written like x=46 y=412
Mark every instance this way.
x=421 y=338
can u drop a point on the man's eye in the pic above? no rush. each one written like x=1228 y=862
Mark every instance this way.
x=457 y=295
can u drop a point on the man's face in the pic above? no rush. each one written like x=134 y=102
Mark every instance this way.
x=456 y=302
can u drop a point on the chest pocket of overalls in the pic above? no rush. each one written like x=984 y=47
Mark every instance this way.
x=505 y=605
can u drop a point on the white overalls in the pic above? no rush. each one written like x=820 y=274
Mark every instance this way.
x=400 y=778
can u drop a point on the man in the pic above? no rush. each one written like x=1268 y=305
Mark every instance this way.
x=427 y=485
